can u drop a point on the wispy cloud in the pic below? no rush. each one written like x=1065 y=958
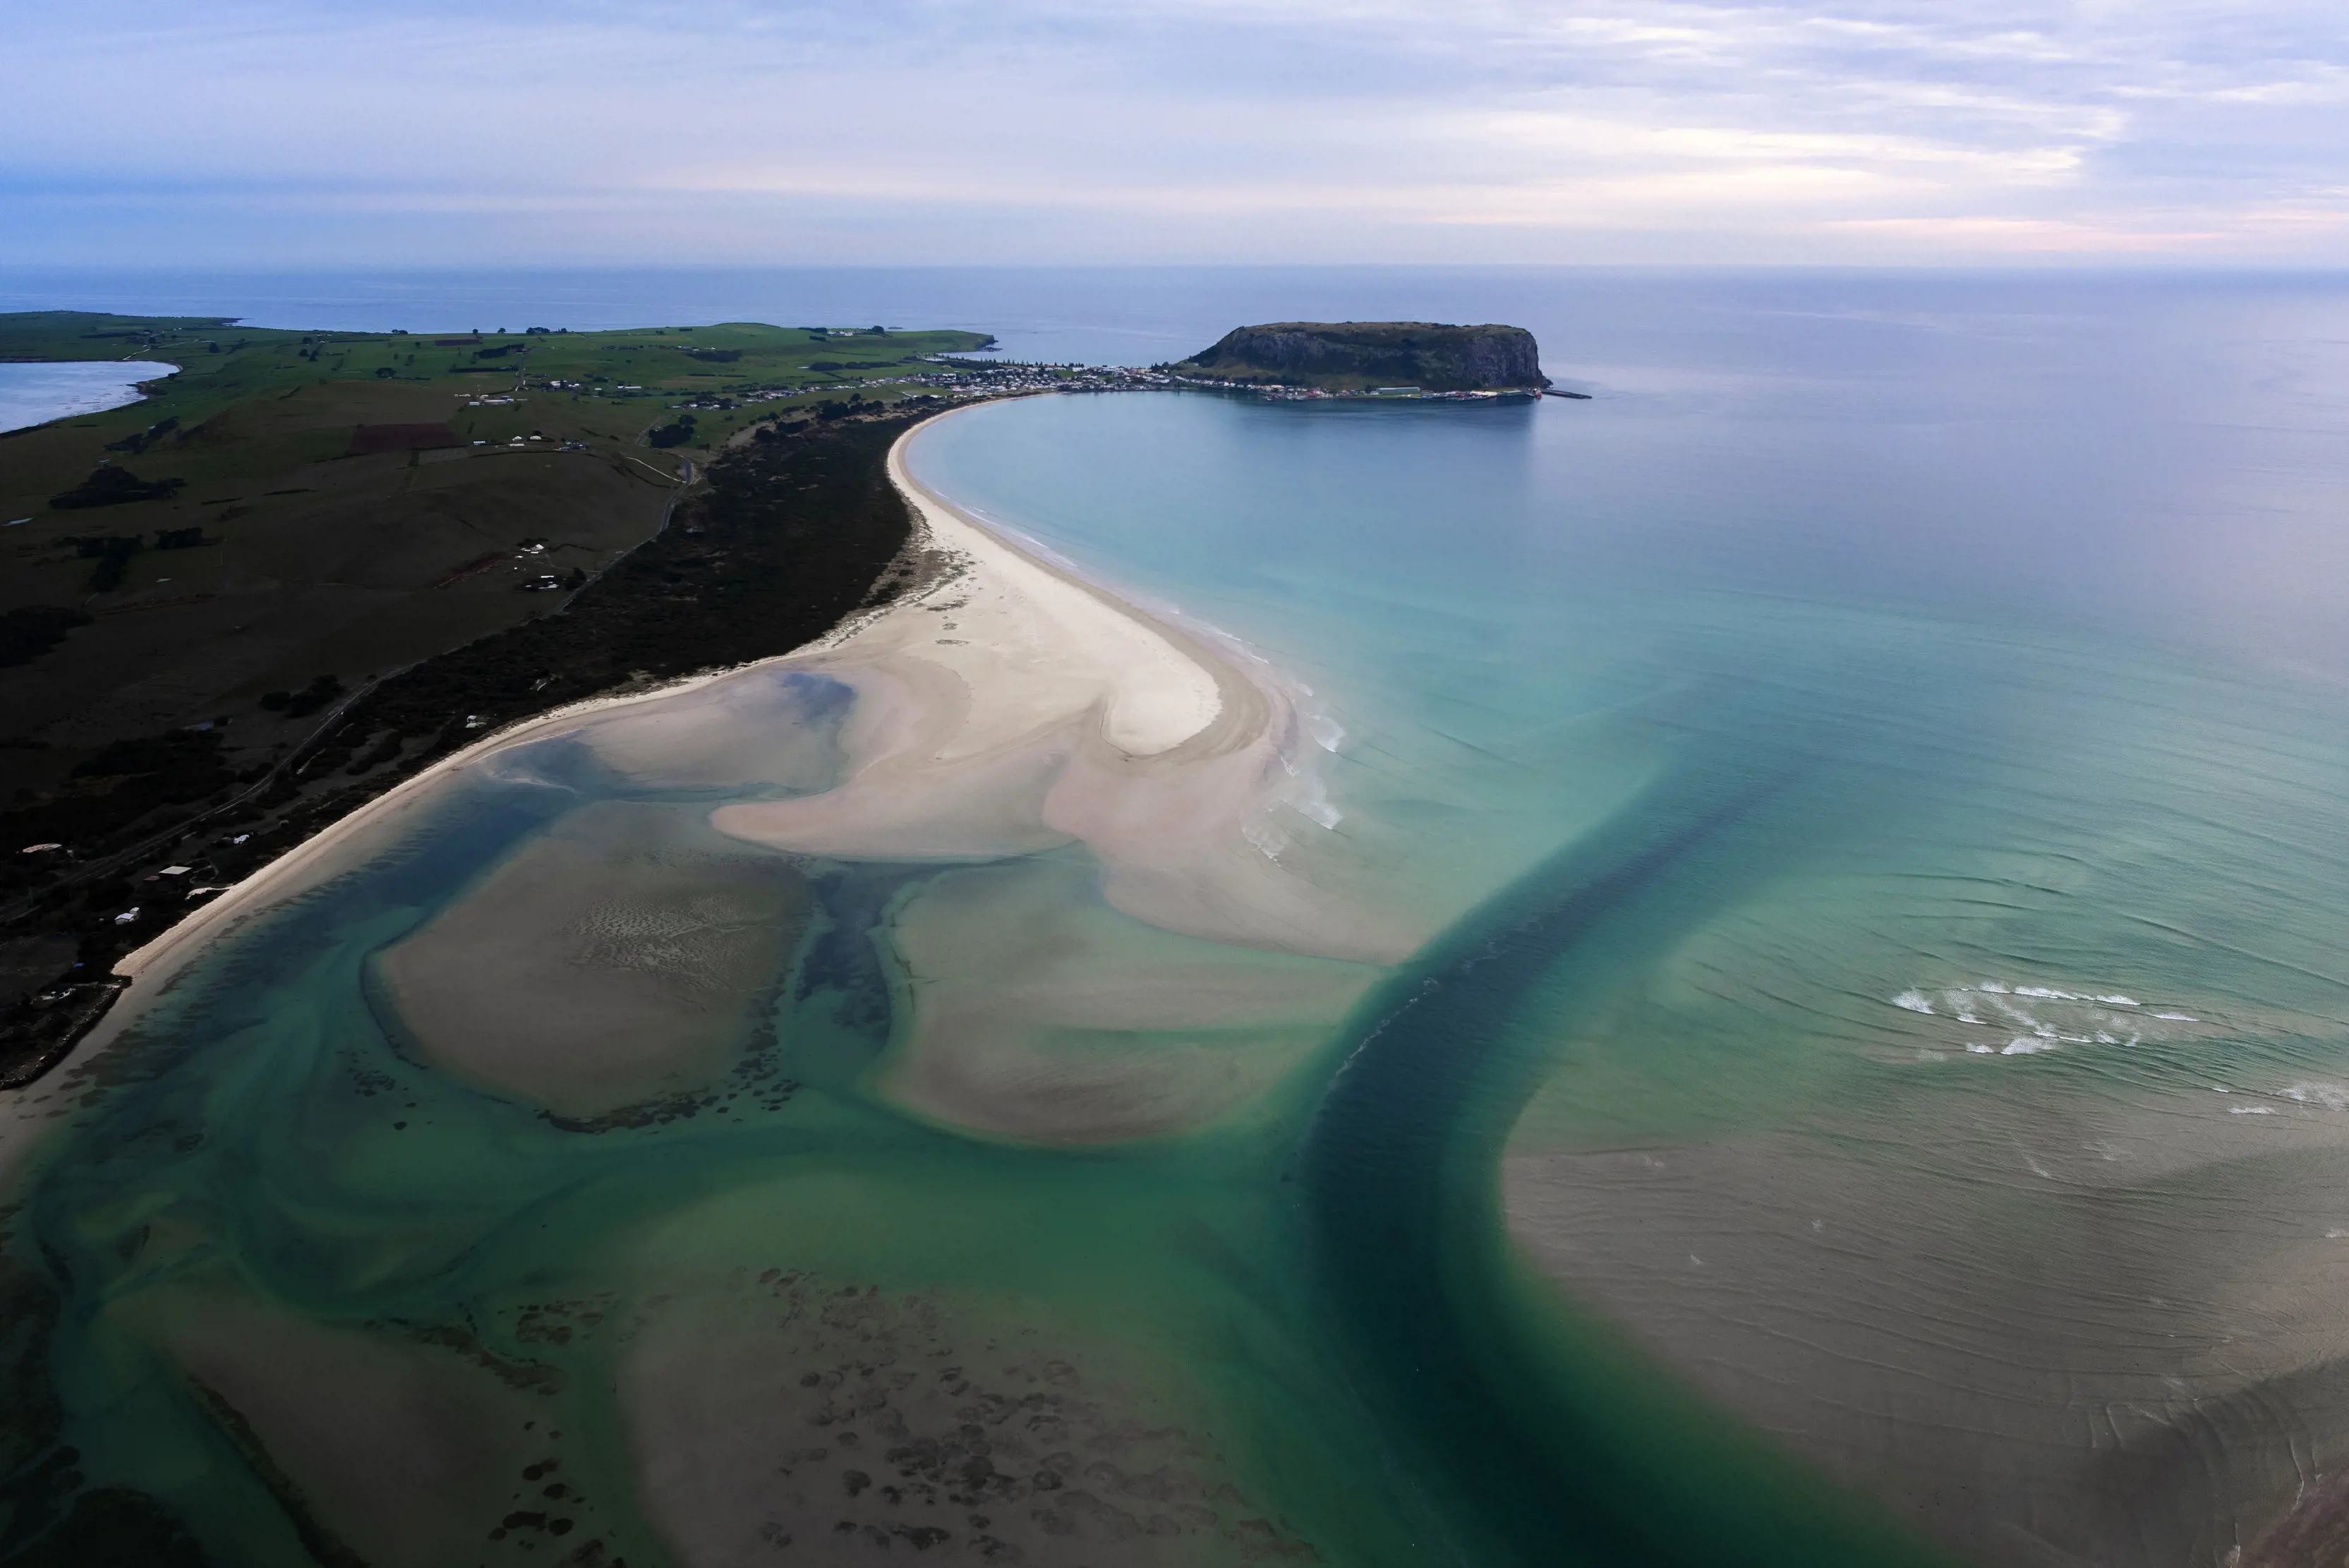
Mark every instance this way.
x=1250 y=130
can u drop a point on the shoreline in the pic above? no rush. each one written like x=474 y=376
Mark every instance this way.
x=1199 y=643
x=1165 y=698
x=1056 y=712
x=1234 y=695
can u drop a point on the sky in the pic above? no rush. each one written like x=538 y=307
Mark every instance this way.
x=256 y=132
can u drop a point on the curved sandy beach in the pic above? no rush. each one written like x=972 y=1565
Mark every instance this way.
x=1013 y=706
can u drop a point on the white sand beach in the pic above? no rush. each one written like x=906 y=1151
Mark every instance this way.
x=1013 y=706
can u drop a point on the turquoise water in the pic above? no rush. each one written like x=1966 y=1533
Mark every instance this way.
x=1941 y=677
x=1983 y=678
x=1876 y=1085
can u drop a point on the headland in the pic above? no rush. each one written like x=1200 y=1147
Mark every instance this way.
x=1417 y=359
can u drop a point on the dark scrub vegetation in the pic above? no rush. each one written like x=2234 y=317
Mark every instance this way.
x=791 y=534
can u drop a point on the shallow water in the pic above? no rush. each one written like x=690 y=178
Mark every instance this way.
x=36 y=394
x=1870 y=782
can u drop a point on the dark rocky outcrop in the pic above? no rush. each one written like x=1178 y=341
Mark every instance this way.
x=1356 y=356
x=109 y=486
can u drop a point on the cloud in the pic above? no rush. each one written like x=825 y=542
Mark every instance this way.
x=247 y=130
x=2024 y=236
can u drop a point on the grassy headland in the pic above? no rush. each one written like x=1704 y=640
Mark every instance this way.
x=1371 y=356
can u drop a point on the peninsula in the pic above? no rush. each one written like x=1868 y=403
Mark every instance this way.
x=1370 y=357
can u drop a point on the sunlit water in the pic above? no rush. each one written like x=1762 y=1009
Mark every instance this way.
x=1876 y=774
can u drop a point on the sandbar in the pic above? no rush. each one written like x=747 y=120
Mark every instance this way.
x=1041 y=1013
x=616 y=958
x=1012 y=707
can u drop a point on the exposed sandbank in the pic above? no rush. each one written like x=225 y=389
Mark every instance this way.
x=1013 y=706
x=622 y=955
x=1042 y=1014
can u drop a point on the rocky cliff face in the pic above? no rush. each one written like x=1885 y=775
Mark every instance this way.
x=1349 y=356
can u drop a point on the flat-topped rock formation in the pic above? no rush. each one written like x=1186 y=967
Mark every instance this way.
x=1365 y=356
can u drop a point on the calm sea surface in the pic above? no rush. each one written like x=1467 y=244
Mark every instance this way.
x=36 y=394
x=1882 y=1082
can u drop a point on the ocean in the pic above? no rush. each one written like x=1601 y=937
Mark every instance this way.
x=1871 y=1083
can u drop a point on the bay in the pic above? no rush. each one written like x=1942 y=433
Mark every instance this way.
x=1874 y=1081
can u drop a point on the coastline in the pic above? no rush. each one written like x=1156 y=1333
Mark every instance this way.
x=1068 y=714
x=152 y=970
x=1054 y=712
